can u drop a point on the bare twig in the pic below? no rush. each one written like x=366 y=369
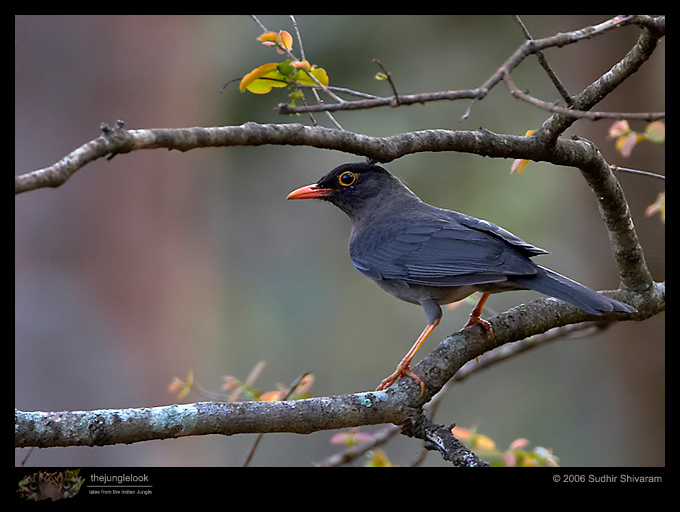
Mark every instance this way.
x=648 y=174
x=388 y=75
x=408 y=99
x=579 y=114
x=299 y=37
x=544 y=64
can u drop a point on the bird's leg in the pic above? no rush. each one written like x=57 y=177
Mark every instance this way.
x=476 y=316
x=403 y=368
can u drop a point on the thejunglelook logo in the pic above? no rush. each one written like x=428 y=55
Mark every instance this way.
x=54 y=486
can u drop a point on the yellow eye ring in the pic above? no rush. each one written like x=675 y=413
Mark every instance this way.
x=346 y=179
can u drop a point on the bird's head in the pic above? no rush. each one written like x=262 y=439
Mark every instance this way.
x=354 y=188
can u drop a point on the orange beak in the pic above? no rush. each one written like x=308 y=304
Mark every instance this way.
x=310 y=192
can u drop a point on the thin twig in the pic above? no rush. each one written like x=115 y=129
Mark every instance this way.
x=580 y=114
x=302 y=56
x=388 y=75
x=409 y=99
x=616 y=168
x=544 y=63
x=299 y=38
x=264 y=29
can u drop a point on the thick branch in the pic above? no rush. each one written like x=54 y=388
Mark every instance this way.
x=615 y=213
x=379 y=149
x=400 y=404
x=113 y=426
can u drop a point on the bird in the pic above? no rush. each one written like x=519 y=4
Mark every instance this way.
x=432 y=256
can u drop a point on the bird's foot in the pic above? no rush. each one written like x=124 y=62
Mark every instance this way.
x=476 y=316
x=401 y=371
x=484 y=323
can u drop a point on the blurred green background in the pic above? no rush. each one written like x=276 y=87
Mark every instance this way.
x=157 y=262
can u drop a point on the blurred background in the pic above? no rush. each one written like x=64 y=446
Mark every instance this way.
x=158 y=262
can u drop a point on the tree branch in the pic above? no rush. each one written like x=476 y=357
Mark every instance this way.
x=441 y=439
x=379 y=149
x=544 y=64
x=113 y=426
x=654 y=27
x=399 y=404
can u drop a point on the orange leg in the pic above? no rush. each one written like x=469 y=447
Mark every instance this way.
x=476 y=316
x=403 y=369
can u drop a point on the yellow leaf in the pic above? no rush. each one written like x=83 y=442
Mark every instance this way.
x=379 y=459
x=656 y=132
x=181 y=388
x=626 y=143
x=301 y=64
x=261 y=80
x=271 y=396
x=285 y=40
x=270 y=37
x=321 y=75
x=619 y=128
x=658 y=206
x=256 y=73
x=462 y=433
x=520 y=163
x=282 y=40
x=482 y=442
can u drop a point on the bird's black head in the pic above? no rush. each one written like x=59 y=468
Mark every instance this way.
x=354 y=187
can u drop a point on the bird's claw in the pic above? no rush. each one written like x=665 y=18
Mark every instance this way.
x=401 y=371
x=484 y=323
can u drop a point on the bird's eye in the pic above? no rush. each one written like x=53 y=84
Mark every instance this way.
x=346 y=179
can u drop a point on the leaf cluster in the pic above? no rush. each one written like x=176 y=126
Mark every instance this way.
x=292 y=72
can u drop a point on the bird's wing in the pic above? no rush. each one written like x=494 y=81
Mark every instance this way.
x=496 y=231
x=449 y=251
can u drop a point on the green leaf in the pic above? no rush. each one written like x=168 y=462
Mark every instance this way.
x=294 y=96
x=285 y=67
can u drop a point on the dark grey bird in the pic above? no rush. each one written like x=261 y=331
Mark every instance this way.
x=431 y=256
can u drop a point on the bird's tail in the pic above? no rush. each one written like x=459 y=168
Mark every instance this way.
x=555 y=285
